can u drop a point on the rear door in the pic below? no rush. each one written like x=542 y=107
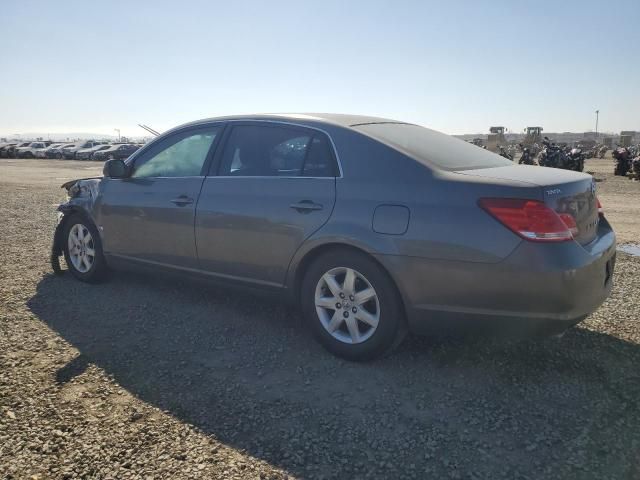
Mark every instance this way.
x=150 y=216
x=272 y=186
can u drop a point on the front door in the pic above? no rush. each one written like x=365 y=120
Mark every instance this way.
x=275 y=186
x=149 y=216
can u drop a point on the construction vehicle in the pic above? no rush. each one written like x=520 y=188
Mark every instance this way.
x=626 y=138
x=532 y=135
x=496 y=138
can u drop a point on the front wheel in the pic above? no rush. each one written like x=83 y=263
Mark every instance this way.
x=352 y=306
x=83 y=250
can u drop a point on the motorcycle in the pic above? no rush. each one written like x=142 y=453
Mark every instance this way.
x=635 y=167
x=526 y=158
x=622 y=157
x=602 y=152
x=503 y=153
x=575 y=160
x=552 y=155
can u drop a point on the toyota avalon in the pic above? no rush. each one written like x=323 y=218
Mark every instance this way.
x=374 y=227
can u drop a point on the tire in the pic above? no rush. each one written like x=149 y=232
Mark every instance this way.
x=386 y=306
x=97 y=268
x=59 y=156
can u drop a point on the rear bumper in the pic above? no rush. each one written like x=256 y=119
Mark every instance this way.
x=550 y=286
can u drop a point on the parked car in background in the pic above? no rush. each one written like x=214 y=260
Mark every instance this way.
x=11 y=151
x=87 y=153
x=30 y=150
x=44 y=153
x=68 y=146
x=69 y=151
x=5 y=148
x=118 y=151
x=55 y=151
x=373 y=226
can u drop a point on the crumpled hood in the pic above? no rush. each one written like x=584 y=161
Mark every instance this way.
x=82 y=187
x=82 y=192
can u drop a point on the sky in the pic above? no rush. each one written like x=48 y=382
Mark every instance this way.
x=455 y=66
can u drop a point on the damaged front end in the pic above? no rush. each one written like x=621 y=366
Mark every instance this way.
x=82 y=195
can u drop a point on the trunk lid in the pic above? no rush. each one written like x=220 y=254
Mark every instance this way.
x=564 y=191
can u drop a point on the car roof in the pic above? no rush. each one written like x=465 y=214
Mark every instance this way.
x=339 y=119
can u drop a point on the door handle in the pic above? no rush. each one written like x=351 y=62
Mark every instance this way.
x=182 y=201
x=306 y=206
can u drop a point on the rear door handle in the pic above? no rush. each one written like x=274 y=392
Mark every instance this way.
x=182 y=201
x=306 y=206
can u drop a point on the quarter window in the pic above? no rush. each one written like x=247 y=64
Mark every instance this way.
x=274 y=151
x=184 y=157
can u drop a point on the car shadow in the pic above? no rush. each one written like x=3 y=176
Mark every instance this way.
x=244 y=369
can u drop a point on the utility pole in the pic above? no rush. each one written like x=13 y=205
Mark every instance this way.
x=597 y=113
x=117 y=130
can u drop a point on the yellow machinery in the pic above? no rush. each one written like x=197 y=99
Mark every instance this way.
x=532 y=135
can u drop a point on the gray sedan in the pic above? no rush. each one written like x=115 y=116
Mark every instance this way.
x=374 y=227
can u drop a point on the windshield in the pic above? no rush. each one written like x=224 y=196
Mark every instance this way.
x=432 y=148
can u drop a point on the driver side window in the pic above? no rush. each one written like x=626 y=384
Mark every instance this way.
x=183 y=157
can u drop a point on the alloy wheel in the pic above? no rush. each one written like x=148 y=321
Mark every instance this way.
x=347 y=305
x=81 y=248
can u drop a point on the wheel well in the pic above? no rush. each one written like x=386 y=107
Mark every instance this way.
x=320 y=250
x=69 y=212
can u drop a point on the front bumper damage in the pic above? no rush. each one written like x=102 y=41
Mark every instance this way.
x=82 y=195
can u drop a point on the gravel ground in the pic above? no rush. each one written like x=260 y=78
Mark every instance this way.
x=144 y=377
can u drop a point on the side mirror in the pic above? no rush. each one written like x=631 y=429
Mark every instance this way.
x=115 y=169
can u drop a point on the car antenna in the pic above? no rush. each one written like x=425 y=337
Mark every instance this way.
x=149 y=129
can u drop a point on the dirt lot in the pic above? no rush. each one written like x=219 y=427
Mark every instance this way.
x=144 y=377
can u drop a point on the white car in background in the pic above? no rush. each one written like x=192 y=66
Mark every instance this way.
x=31 y=150
x=42 y=152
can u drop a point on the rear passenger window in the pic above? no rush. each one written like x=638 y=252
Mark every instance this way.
x=319 y=161
x=274 y=151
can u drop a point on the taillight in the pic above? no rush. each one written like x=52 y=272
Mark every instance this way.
x=531 y=219
x=570 y=223
x=600 y=209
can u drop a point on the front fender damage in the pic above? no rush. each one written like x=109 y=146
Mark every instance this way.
x=82 y=195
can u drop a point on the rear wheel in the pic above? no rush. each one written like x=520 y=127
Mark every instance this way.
x=352 y=306
x=83 y=250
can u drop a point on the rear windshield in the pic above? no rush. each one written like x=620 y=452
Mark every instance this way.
x=432 y=148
